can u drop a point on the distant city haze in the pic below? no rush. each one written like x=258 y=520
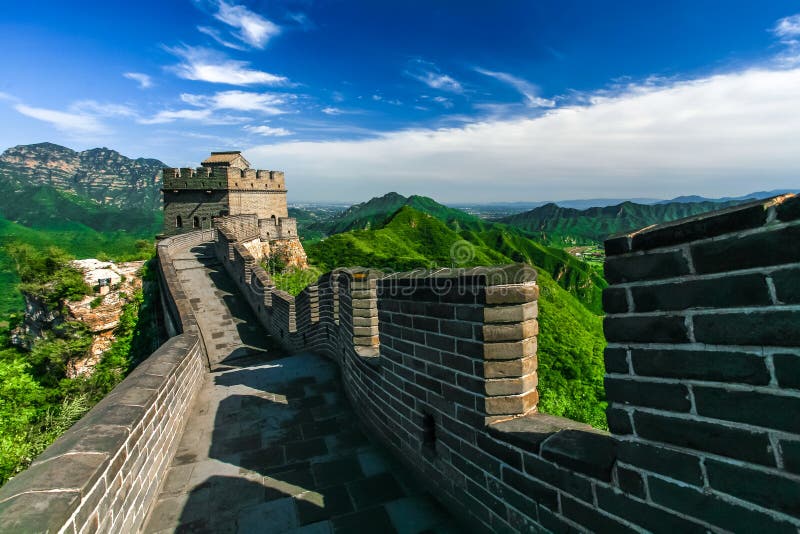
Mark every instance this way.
x=465 y=102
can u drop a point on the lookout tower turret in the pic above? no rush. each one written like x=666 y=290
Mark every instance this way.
x=231 y=158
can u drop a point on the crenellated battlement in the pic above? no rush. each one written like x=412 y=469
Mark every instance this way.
x=701 y=374
x=228 y=178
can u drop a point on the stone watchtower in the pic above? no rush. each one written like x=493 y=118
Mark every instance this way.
x=226 y=185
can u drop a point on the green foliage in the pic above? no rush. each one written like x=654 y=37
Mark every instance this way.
x=294 y=280
x=96 y=302
x=571 y=338
x=21 y=400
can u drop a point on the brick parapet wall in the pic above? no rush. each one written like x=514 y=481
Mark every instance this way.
x=704 y=433
x=104 y=473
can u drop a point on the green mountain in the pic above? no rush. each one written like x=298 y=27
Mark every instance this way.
x=100 y=174
x=571 y=340
x=89 y=204
x=567 y=226
x=492 y=243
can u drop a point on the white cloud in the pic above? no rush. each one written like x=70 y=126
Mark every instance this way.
x=214 y=34
x=209 y=66
x=445 y=102
x=723 y=134
x=268 y=103
x=100 y=109
x=69 y=122
x=526 y=89
x=268 y=131
x=788 y=27
x=332 y=111
x=253 y=29
x=144 y=80
x=429 y=74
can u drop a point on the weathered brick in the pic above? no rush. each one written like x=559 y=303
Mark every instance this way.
x=789 y=208
x=500 y=450
x=511 y=314
x=591 y=453
x=751 y=407
x=512 y=294
x=743 y=252
x=510 y=332
x=615 y=300
x=754 y=328
x=440 y=342
x=674 y=397
x=456 y=329
x=652 y=329
x=639 y=513
x=590 y=517
x=532 y=488
x=712 y=509
x=724 y=440
x=512 y=404
x=721 y=366
x=727 y=292
x=787 y=285
x=510 y=386
x=616 y=360
x=631 y=482
x=715 y=223
x=790 y=450
x=651 y=266
x=425 y=323
x=509 y=368
x=512 y=350
x=787 y=370
x=769 y=490
x=619 y=422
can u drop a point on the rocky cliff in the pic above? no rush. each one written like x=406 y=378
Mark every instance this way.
x=101 y=174
x=113 y=286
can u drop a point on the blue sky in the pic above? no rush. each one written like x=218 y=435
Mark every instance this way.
x=459 y=100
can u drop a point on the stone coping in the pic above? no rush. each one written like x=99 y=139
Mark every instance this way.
x=706 y=225
x=569 y=444
x=45 y=496
x=511 y=274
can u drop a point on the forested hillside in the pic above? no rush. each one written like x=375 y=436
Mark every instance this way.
x=555 y=225
x=571 y=339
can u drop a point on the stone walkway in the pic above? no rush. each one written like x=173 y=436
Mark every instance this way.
x=272 y=444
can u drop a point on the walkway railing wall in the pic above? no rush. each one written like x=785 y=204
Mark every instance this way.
x=104 y=473
x=703 y=328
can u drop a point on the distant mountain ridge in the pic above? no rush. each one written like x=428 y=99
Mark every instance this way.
x=99 y=174
x=564 y=226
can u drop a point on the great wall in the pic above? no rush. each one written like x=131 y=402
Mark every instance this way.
x=702 y=378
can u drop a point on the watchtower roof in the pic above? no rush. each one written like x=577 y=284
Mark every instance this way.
x=231 y=158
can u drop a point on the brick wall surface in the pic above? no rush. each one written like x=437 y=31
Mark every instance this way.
x=702 y=367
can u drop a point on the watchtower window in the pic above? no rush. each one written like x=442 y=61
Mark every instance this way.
x=274 y=220
x=196 y=222
x=178 y=222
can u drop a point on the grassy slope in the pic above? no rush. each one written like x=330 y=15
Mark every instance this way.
x=496 y=240
x=571 y=339
x=553 y=224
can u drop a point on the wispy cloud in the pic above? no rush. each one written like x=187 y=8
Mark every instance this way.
x=206 y=65
x=66 y=121
x=269 y=103
x=268 y=131
x=101 y=109
x=787 y=30
x=330 y=110
x=704 y=136
x=144 y=80
x=525 y=88
x=217 y=36
x=251 y=28
x=429 y=74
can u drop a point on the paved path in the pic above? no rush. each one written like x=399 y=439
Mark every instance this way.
x=272 y=444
